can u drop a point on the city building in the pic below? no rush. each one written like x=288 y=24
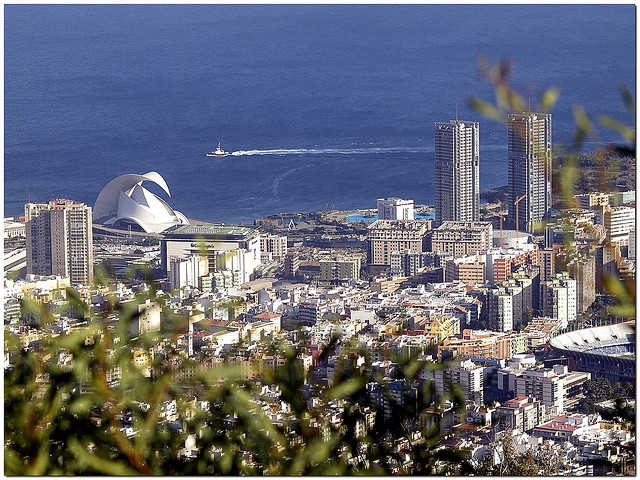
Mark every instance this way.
x=620 y=198
x=59 y=240
x=470 y=270
x=500 y=309
x=607 y=258
x=291 y=264
x=559 y=298
x=467 y=375
x=555 y=387
x=408 y=264
x=393 y=208
x=529 y=167
x=632 y=244
x=274 y=244
x=388 y=236
x=501 y=262
x=187 y=271
x=546 y=261
x=13 y=228
x=618 y=221
x=340 y=268
x=461 y=239
x=520 y=413
x=124 y=203
x=227 y=247
x=457 y=171
x=583 y=270
x=593 y=199
x=484 y=344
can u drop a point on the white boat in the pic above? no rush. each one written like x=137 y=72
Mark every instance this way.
x=219 y=152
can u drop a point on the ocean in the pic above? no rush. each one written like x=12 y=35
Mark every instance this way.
x=329 y=105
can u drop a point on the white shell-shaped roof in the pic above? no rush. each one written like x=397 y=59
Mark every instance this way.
x=124 y=198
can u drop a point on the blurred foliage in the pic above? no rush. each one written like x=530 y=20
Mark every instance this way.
x=81 y=404
x=608 y=168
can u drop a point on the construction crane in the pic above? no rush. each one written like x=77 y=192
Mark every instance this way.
x=517 y=224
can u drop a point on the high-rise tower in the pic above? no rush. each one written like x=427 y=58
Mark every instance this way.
x=60 y=240
x=530 y=164
x=457 y=153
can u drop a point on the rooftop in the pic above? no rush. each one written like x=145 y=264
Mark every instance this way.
x=211 y=230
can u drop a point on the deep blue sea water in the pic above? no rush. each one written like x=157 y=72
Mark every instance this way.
x=350 y=93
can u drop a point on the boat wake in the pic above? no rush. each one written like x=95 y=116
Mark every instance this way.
x=334 y=151
x=341 y=151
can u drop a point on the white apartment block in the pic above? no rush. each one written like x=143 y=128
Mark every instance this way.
x=529 y=167
x=618 y=221
x=559 y=298
x=395 y=209
x=457 y=171
x=59 y=240
x=461 y=239
x=389 y=236
x=274 y=244
x=466 y=374
x=186 y=271
x=500 y=310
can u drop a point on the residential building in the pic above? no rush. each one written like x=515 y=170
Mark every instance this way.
x=555 y=387
x=546 y=261
x=583 y=270
x=395 y=209
x=470 y=270
x=340 y=268
x=291 y=264
x=467 y=375
x=59 y=240
x=388 y=236
x=520 y=413
x=618 y=221
x=500 y=310
x=274 y=244
x=484 y=344
x=501 y=262
x=632 y=244
x=529 y=167
x=607 y=258
x=311 y=311
x=457 y=171
x=187 y=271
x=461 y=239
x=408 y=264
x=559 y=298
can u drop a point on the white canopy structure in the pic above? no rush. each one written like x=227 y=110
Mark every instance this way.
x=125 y=201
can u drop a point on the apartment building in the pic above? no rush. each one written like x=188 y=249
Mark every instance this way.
x=461 y=239
x=59 y=240
x=389 y=236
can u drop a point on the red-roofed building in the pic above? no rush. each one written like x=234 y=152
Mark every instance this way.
x=561 y=428
x=520 y=413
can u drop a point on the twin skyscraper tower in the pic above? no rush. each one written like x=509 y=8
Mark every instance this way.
x=457 y=169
